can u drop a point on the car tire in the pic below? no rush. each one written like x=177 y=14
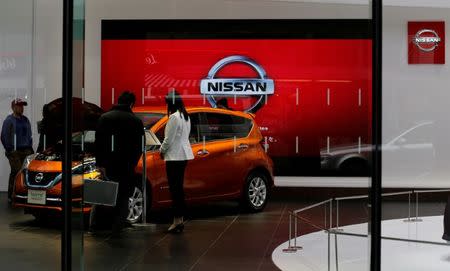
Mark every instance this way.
x=136 y=203
x=256 y=192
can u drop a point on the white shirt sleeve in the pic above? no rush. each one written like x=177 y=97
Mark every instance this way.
x=170 y=133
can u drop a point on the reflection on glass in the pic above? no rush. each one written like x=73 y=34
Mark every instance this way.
x=351 y=160
x=415 y=145
x=409 y=157
x=409 y=154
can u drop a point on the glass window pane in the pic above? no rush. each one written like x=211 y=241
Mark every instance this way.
x=30 y=228
x=415 y=156
x=303 y=72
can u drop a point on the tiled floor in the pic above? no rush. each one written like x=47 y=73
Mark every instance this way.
x=217 y=236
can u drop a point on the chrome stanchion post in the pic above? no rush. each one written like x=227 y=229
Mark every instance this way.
x=331 y=214
x=290 y=249
x=290 y=229
x=336 y=251
x=144 y=185
x=296 y=233
x=325 y=217
x=144 y=181
x=417 y=219
x=417 y=206
x=409 y=209
x=329 y=234
x=337 y=216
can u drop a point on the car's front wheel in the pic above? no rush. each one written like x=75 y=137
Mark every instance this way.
x=256 y=192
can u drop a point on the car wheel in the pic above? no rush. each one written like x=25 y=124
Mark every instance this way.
x=135 y=205
x=256 y=192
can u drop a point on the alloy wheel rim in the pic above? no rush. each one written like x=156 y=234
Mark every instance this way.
x=135 y=205
x=257 y=192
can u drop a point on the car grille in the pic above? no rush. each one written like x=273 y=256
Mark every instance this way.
x=46 y=178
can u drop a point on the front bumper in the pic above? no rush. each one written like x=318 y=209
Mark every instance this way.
x=51 y=204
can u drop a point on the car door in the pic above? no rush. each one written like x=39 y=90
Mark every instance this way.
x=218 y=166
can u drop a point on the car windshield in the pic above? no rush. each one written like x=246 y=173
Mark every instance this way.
x=151 y=141
x=418 y=133
x=81 y=142
x=149 y=119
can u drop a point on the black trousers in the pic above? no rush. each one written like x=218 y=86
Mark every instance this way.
x=175 y=176
x=126 y=186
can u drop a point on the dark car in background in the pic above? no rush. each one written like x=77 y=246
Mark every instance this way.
x=411 y=153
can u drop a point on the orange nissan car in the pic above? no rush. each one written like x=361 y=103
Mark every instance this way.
x=230 y=163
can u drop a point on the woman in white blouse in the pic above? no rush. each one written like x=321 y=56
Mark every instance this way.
x=176 y=151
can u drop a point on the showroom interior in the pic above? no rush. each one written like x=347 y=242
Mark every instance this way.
x=330 y=153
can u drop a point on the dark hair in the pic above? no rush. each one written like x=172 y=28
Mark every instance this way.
x=127 y=98
x=175 y=103
x=46 y=111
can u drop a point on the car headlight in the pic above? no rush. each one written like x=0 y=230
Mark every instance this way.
x=84 y=168
x=80 y=169
x=28 y=160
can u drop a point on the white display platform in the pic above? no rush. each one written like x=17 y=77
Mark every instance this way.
x=353 y=252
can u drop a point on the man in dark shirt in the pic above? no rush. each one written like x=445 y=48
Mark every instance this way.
x=118 y=144
x=17 y=140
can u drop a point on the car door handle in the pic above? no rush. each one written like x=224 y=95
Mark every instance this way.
x=202 y=152
x=243 y=146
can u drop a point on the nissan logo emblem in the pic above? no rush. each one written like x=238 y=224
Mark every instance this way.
x=39 y=177
x=231 y=87
x=427 y=40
